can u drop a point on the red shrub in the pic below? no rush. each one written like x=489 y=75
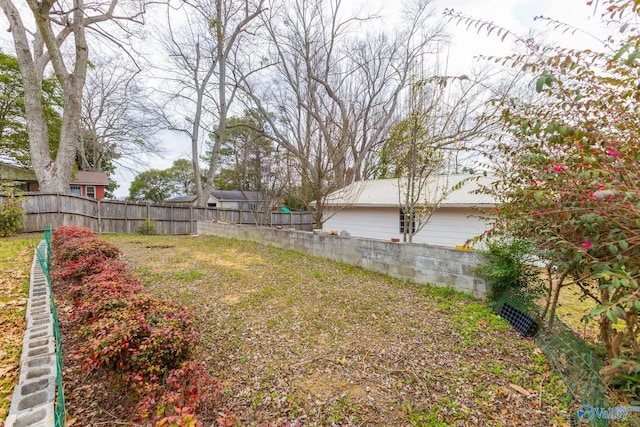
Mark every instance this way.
x=75 y=248
x=111 y=272
x=99 y=293
x=78 y=269
x=135 y=332
x=187 y=390
x=77 y=253
x=145 y=339
x=64 y=233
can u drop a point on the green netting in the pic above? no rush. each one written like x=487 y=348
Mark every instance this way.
x=43 y=251
x=571 y=356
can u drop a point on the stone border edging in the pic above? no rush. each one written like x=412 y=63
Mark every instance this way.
x=34 y=397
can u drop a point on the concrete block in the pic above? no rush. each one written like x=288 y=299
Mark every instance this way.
x=38 y=276
x=38 y=348
x=418 y=262
x=38 y=302
x=39 y=320
x=37 y=309
x=40 y=416
x=426 y=276
x=464 y=284
x=33 y=393
x=39 y=332
x=38 y=285
x=38 y=281
x=37 y=367
x=38 y=292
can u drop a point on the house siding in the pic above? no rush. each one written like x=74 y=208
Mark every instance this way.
x=448 y=226
x=222 y=204
x=99 y=192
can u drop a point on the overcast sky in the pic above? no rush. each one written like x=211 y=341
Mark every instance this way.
x=517 y=15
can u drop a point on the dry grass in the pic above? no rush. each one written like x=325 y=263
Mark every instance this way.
x=573 y=308
x=302 y=339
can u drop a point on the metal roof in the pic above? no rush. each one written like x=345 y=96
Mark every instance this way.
x=385 y=192
x=182 y=199
x=237 y=195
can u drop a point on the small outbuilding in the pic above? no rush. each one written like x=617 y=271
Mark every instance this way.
x=83 y=183
x=238 y=200
x=372 y=209
x=89 y=183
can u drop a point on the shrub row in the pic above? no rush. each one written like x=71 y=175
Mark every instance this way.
x=144 y=341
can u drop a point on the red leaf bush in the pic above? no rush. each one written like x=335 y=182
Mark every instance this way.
x=77 y=252
x=142 y=339
x=63 y=234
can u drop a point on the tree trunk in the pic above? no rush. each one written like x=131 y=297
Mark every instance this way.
x=554 y=304
x=547 y=302
x=53 y=176
x=611 y=338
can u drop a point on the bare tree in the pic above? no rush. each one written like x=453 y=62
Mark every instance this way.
x=442 y=117
x=116 y=122
x=334 y=88
x=209 y=57
x=57 y=37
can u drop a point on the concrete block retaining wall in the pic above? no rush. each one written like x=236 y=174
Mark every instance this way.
x=417 y=262
x=34 y=398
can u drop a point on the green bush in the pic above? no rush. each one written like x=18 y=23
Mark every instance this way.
x=11 y=215
x=148 y=226
x=510 y=266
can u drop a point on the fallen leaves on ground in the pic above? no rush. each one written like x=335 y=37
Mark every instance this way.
x=302 y=340
x=16 y=255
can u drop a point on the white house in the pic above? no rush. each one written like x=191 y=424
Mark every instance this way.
x=235 y=199
x=372 y=209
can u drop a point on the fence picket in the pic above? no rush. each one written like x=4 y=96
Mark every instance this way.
x=43 y=210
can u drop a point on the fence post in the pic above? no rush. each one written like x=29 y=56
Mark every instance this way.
x=58 y=203
x=191 y=220
x=99 y=218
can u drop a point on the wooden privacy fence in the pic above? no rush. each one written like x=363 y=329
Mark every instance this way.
x=119 y=217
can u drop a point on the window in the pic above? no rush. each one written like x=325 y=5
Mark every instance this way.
x=403 y=223
x=91 y=191
x=75 y=189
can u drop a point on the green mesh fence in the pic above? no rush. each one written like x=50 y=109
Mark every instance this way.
x=43 y=251
x=571 y=356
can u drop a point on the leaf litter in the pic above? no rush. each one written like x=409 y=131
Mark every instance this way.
x=300 y=340
x=16 y=255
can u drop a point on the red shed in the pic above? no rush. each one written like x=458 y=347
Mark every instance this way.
x=89 y=183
